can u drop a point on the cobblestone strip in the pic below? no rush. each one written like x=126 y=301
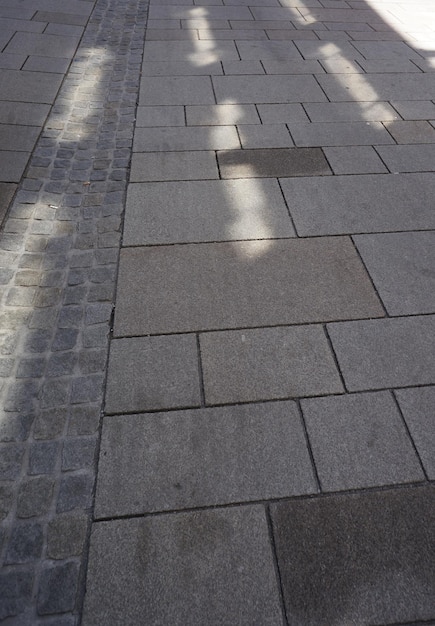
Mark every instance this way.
x=58 y=254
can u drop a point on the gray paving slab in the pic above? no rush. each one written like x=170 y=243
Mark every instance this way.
x=350 y=111
x=221 y=114
x=46 y=64
x=203 y=22
x=160 y=116
x=171 y=34
x=418 y=408
x=180 y=68
x=291 y=35
x=354 y=160
x=410 y=158
x=385 y=50
x=18 y=138
x=7 y=191
x=12 y=165
x=340 y=65
x=39 y=88
x=236 y=35
x=376 y=354
x=401 y=267
x=243 y=284
x=292 y=67
x=196 y=54
x=23 y=113
x=359 y=441
x=12 y=61
x=353 y=87
x=267 y=89
x=43 y=45
x=149 y=373
x=267 y=364
x=206 y=567
x=204 y=211
x=173 y=90
x=161 y=166
x=272 y=163
x=212 y=12
x=274 y=50
x=185 y=138
x=64 y=29
x=265 y=136
x=410 y=132
x=202 y=457
x=385 y=66
x=423 y=110
x=361 y=558
x=21 y=12
x=242 y=67
x=359 y=204
x=339 y=133
x=263 y=24
x=343 y=50
x=60 y=18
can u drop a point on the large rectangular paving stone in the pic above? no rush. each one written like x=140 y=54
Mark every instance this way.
x=272 y=50
x=203 y=567
x=376 y=354
x=401 y=266
x=179 y=68
x=195 y=53
x=171 y=139
x=173 y=90
x=267 y=89
x=359 y=441
x=350 y=111
x=339 y=134
x=149 y=373
x=12 y=165
x=38 y=87
x=418 y=408
x=24 y=113
x=361 y=204
x=387 y=87
x=200 y=211
x=364 y=558
x=417 y=158
x=167 y=289
x=211 y=12
x=267 y=364
x=272 y=163
x=203 y=457
x=43 y=45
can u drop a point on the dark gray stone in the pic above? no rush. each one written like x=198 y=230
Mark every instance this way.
x=66 y=536
x=6 y=194
x=206 y=457
x=418 y=408
x=11 y=459
x=6 y=500
x=272 y=163
x=43 y=457
x=207 y=567
x=364 y=558
x=359 y=441
x=25 y=543
x=377 y=354
x=401 y=266
x=15 y=592
x=84 y=420
x=75 y=492
x=50 y=423
x=55 y=392
x=34 y=496
x=78 y=453
x=58 y=588
x=241 y=284
x=152 y=373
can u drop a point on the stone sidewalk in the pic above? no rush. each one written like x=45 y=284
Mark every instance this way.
x=264 y=443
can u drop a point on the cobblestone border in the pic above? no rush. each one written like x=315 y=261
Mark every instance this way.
x=58 y=265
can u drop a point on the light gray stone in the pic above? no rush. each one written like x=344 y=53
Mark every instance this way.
x=411 y=110
x=339 y=133
x=266 y=364
x=221 y=115
x=411 y=132
x=359 y=441
x=161 y=166
x=267 y=89
x=12 y=61
x=272 y=50
x=160 y=116
x=23 y=113
x=180 y=68
x=241 y=284
x=176 y=90
x=242 y=67
x=196 y=54
x=18 y=138
x=167 y=139
x=363 y=558
x=200 y=211
x=351 y=87
x=418 y=408
x=401 y=266
x=152 y=373
x=205 y=457
x=265 y=136
x=281 y=113
x=186 y=12
x=238 y=35
x=58 y=46
x=292 y=67
x=350 y=111
x=387 y=66
x=272 y=163
x=358 y=204
x=12 y=165
x=39 y=87
x=46 y=64
x=354 y=160
x=61 y=18
x=375 y=354
x=385 y=50
x=205 y=567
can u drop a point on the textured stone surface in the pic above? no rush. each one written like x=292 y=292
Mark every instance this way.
x=375 y=354
x=152 y=373
x=205 y=211
x=419 y=158
x=267 y=363
x=272 y=163
x=339 y=134
x=354 y=160
x=363 y=558
x=206 y=567
x=205 y=457
x=160 y=166
x=267 y=89
x=240 y=284
x=359 y=441
x=176 y=90
x=58 y=588
x=166 y=139
x=401 y=267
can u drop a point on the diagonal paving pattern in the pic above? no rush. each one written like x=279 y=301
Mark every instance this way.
x=263 y=443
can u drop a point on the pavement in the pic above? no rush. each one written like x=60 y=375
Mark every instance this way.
x=217 y=312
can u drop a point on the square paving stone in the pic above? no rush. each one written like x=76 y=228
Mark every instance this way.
x=200 y=211
x=354 y=160
x=375 y=354
x=402 y=267
x=361 y=204
x=147 y=373
x=38 y=87
x=267 y=89
x=185 y=138
x=206 y=457
x=359 y=441
x=173 y=90
x=58 y=46
x=418 y=408
x=266 y=364
x=241 y=284
x=207 y=567
x=339 y=133
x=364 y=558
x=158 y=166
x=272 y=163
